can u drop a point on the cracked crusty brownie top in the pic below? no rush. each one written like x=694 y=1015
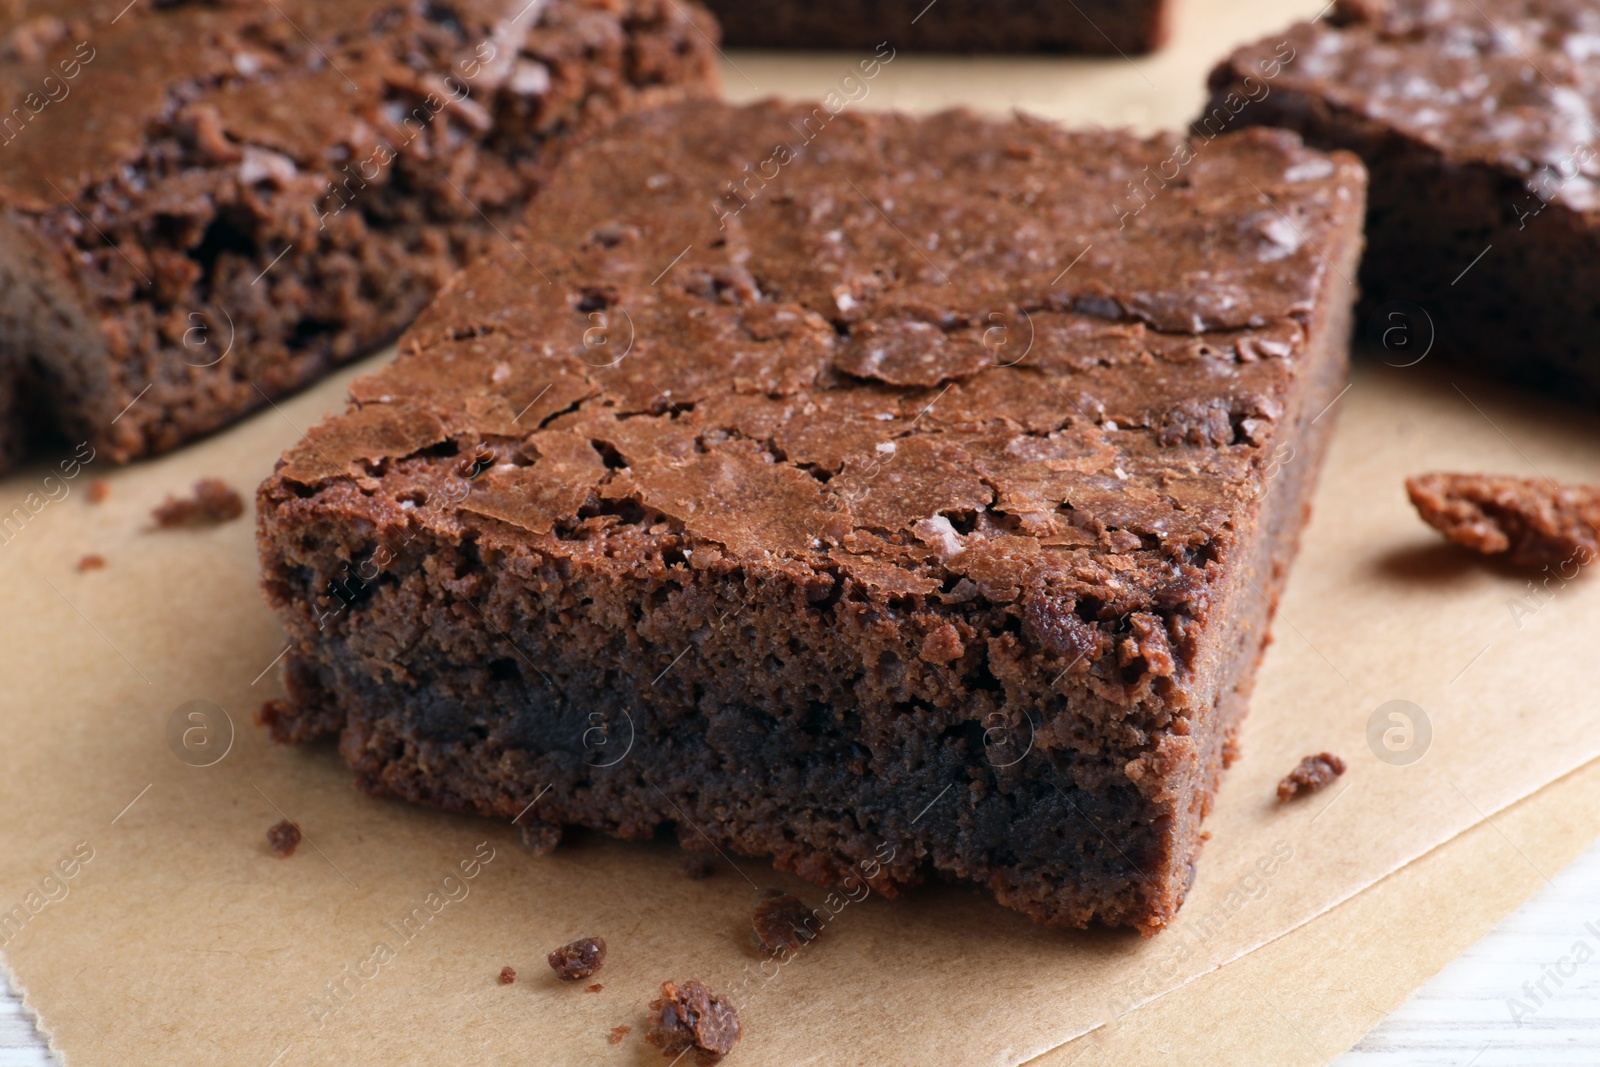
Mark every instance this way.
x=947 y=356
x=1512 y=83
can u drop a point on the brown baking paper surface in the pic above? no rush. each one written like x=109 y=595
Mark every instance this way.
x=182 y=939
x=1307 y=996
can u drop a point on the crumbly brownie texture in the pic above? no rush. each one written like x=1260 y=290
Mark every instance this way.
x=1533 y=522
x=155 y=168
x=931 y=523
x=692 y=1017
x=578 y=959
x=213 y=502
x=1476 y=119
x=1310 y=775
x=1100 y=26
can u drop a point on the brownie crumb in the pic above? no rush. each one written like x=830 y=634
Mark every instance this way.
x=507 y=975
x=597 y=987
x=99 y=489
x=579 y=959
x=783 y=924
x=618 y=1033
x=1532 y=522
x=540 y=838
x=1310 y=775
x=91 y=562
x=692 y=1018
x=699 y=868
x=213 y=502
x=283 y=837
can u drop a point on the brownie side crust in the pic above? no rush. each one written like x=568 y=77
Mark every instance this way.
x=1483 y=208
x=1093 y=26
x=820 y=570
x=306 y=180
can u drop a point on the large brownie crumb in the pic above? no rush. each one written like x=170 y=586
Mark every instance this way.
x=1310 y=775
x=507 y=975
x=213 y=502
x=284 y=837
x=837 y=577
x=695 y=1018
x=579 y=959
x=783 y=923
x=1532 y=522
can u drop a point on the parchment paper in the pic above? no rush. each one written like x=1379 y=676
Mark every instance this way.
x=180 y=938
x=1312 y=993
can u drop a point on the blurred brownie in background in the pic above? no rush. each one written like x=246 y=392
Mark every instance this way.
x=1477 y=120
x=203 y=206
x=1094 y=26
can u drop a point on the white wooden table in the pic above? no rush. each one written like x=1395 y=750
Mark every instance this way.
x=1486 y=1009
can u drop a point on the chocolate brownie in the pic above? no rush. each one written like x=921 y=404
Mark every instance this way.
x=204 y=205
x=1100 y=26
x=1476 y=119
x=906 y=514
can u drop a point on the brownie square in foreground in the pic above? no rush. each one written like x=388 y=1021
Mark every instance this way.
x=203 y=206
x=894 y=502
x=1097 y=26
x=1476 y=119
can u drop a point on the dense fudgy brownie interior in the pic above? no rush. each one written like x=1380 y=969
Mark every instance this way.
x=905 y=509
x=1476 y=119
x=1097 y=26
x=206 y=205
